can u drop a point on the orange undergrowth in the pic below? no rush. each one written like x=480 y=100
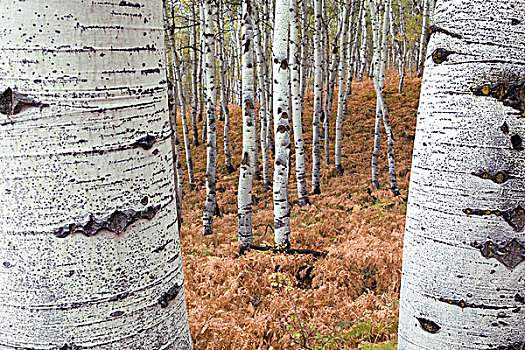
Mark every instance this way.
x=255 y=301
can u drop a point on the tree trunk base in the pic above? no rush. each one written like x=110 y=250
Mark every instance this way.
x=304 y=202
x=230 y=169
x=339 y=171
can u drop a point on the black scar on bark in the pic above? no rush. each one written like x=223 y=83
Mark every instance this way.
x=511 y=94
x=499 y=177
x=169 y=295
x=435 y=29
x=13 y=102
x=67 y=347
x=428 y=325
x=116 y=222
x=440 y=55
x=129 y=4
x=510 y=254
x=145 y=142
x=120 y=296
x=514 y=217
x=505 y=127
x=117 y=313
x=463 y=304
x=517 y=143
x=514 y=346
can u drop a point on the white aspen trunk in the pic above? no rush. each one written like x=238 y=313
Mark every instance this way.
x=462 y=284
x=364 y=42
x=281 y=125
x=330 y=86
x=175 y=145
x=244 y=198
x=186 y=133
x=304 y=51
x=374 y=20
x=423 y=37
x=268 y=23
x=295 y=81
x=318 y=99
x=88 y=226
x=402 y=61
x=210 y=205
x=194 y=79
x=261 y=91
x=341 y=100
x=382 y=102
x=177 y=77
x=224 y=96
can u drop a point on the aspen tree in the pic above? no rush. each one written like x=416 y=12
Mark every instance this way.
x=281 y=124
x=88 y=220
x=295 y=81
x=462 y=283
x=318 y=99
x=246 y=173
x=341 y=101
x=210 y=206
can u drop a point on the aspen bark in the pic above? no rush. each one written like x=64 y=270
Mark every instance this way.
x=88 y=227
x=223 y=93
x=295 y=81
x=194 y=79
x=244 y=198
x=423 y=37
x=281 y=124
x=462 y=284
x=210 y=205
x=341 y=101
x=363 y=49
x=318 y=99
x=262 y=72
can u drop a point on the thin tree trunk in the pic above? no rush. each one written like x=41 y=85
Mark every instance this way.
x=211 y=100
x=248 y=124
x=318 y=99
x=364 y=42
x=295 y=80
x=423 y=37
x=224 y=96
x=82 y=217
x=281 y=125
x=263 y=107
x=194 y=79
x=341 y=101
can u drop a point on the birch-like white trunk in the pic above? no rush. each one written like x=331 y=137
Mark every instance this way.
x=177 y=77
x=364 y=42
x=195 y=75
x=223 y=92
x=304 y=50
x=318 y=99
x=88 y=227
x=261 y=92
x=244 y=198
x=423 y=36
x=463 y=271
x=341 y=100
x=296 y=98
x=210 y=205
x=281 y=124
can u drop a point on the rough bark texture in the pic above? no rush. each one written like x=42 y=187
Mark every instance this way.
x=281 y=124
x=244 y=199
x=90 y=156
x=463 y=271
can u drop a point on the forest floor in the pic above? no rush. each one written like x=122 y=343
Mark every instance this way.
x=349 y=300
